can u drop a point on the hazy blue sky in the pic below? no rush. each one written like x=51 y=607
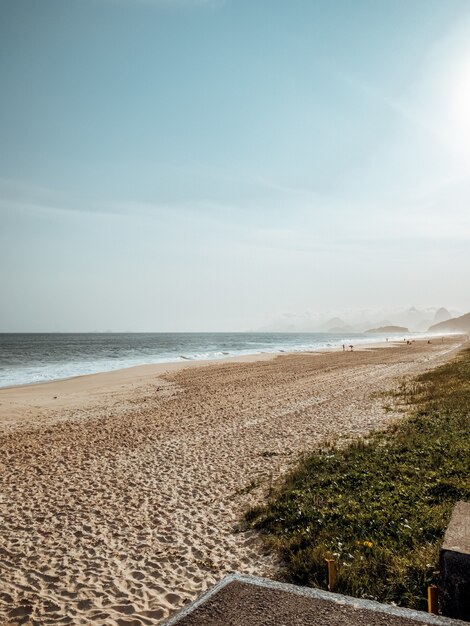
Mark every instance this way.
x=209 y=164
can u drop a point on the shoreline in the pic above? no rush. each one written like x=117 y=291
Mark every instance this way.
x=86 y=389
x=363 y=342
x=171 y=366
x=123 y=498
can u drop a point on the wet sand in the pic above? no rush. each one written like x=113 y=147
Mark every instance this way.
x=121 y=493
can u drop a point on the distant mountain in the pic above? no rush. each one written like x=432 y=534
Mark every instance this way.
x=338 y=330
x=454 y=325
x=441 y=315
x=291 y=323
x=334 y=322
x=389 y=329
x=419 y=320
x=346 y=321
x=413 y=318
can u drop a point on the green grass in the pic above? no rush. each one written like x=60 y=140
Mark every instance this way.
x=379 y=507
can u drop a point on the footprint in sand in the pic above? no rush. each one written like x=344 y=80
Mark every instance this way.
x=172 y=598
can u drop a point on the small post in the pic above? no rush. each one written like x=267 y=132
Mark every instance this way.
x=432 y=600
x=331 y=574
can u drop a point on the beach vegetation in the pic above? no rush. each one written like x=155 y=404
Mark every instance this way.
x=378 y=506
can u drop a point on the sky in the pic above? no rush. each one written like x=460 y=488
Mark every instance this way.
x=208 y=165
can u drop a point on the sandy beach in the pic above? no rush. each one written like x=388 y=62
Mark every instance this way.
x=122 y=493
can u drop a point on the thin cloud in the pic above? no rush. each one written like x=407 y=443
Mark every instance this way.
x=394 y=105
x=17 y=195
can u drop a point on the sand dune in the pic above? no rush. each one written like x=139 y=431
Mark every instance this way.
x=121 y=493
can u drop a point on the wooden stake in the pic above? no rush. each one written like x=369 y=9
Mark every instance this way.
x=331 y=574
x=432 y=600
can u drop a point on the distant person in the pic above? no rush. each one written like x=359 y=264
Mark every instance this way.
x=344 y=347
x=351 y=348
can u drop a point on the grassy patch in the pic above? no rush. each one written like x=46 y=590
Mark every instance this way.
x=379 y=507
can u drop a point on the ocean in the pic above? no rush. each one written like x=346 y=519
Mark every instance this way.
x=34 y=358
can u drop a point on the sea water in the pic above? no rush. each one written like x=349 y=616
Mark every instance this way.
x=33 y=358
